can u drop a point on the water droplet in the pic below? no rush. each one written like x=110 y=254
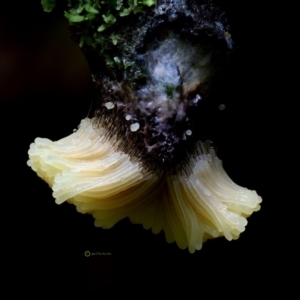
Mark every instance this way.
x=189 y=132
x=109 y=105
x=134 y=127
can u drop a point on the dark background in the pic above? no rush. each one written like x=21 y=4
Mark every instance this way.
x=45 y=90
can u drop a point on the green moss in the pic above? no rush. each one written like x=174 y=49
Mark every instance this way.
x=110 y=10
x=169 y=91
x=98 y=25
x=48 y=5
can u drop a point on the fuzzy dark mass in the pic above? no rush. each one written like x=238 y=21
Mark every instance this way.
x=154 y=87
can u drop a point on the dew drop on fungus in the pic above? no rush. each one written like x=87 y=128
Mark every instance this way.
x=134 y=127
x=188 y=132
x=109 y=105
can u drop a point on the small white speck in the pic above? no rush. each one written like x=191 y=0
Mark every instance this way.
x=128 y=117
x=188 y=132
x=74 y=130
x=222 y=106
x=134 y=127
x=109 y=105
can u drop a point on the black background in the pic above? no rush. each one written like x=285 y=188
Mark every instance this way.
x=45 y=92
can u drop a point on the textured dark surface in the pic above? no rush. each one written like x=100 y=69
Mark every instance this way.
x=167 y=74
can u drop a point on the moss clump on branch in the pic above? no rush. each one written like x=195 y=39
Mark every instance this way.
x=106 y=11
x=101 y=25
